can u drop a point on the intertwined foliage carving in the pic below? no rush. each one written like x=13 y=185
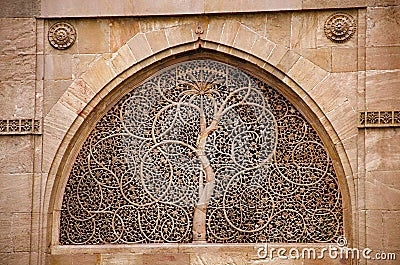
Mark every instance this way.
x=202 y=151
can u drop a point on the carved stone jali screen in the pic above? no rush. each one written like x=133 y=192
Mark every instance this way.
x=202 y=151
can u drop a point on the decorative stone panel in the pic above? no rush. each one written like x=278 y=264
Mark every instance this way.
x=20 y=126
x=202 y=151
x=389 y=118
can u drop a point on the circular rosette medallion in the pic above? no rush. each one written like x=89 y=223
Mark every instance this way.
x=62 y=35
x=340 y=27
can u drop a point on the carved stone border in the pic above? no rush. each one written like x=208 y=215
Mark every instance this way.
x=369 y=119
x=20 y=126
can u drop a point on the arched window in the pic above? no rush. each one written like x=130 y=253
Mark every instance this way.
x=203 y=151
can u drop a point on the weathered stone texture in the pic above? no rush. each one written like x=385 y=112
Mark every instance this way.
x=53 y=90
x=21 y=258
x=16 y=193
x=17 y=99
x=16 y=154
x=382 y=149
x=21 y=232
x=17 y=36
x=383 y=90
x=382 y=190
x=382 y=26
x=20 y=8
x=122 y=30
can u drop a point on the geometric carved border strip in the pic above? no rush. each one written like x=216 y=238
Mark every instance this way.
x=20 y=126
x=371 y=119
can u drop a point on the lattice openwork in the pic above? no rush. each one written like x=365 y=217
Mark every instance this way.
x=202 y=151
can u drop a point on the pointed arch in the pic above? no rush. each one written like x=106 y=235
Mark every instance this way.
x=140 y=57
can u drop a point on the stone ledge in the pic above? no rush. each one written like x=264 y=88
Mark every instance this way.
x=85 y=8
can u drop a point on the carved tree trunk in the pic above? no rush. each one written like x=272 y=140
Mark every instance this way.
x=205 y=191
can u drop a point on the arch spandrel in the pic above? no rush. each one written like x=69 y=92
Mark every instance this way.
x=201 y=151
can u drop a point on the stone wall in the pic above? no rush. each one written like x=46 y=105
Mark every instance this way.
x=60 y=88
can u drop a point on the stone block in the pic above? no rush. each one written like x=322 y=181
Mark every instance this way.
x=304 y=30
x=81 y=63
x=383 y=58
x=382 y=149
x=157 y=40
x=85 y=259
x=257 y=22
x=372 y=3
x=52 y=91
x=17 y=67
x=214 y=30
x=336 y=90
x=344 y=120
x=276 y=55
x=250 y=5
x=391 y=228
x=6 y=243
x=140 y=47
x=229 y=32
x=382 y=25
x=122 y=59
x=382 y=90
x=319 y=56
x=351 y=148
x=245 y=39
x=16 y=154
x=99 y=74
x=288 y=60
x=168 y=7
x=327 y=261
x=278 y=28
x=21 y=231
x=17 y=99
x=344 y=59
x=58 y=67
x=17 y=35
x=60 y=259
x=121 y=31
x=219 y=258
x=21 y=258
x=55 y=126
x=16 y=193
x=306 y=74
x=374 y=229
x=20 y=8
x=121 y=259
x=81 y=90
x=262 y=48
x=180 y=34
x=93 y=35
x=382 y=190
x=165 y=259
x=321 y=4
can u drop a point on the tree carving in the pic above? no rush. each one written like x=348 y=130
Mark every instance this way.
x=201 y=151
